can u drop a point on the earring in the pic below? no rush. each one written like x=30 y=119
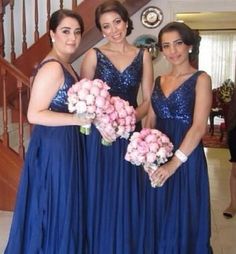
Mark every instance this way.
x=104 y=35
x=53 y=40
x=190 y=51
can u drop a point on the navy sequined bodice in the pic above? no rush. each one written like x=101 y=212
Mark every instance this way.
x=179 y=104
x=124 y=84
x=59 y=102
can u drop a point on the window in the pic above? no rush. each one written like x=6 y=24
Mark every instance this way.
x=217 y=55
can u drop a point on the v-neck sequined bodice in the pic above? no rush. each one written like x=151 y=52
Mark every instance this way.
x=124 y=84
x=59 y=102
x=179 y=104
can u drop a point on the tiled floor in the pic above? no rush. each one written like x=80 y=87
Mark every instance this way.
x=223 y=230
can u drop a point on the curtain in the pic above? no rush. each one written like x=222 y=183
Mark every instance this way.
x=217 y=55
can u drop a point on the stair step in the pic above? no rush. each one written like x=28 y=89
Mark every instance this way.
x=9 y=115
x=14 y=136
x=13 y=131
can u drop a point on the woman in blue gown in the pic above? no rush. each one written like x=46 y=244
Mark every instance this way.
x=50 y=210
x=114 y=185
x=178 y=210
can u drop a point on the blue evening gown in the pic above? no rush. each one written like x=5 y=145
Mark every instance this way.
x=50 y=212
x=178 y=213
x=114 y=185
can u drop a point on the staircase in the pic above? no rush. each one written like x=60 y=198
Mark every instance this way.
x=15 y=85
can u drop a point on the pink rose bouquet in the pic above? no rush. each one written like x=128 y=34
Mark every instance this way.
x=118 y=120
x=149 y=148
x=88 y=98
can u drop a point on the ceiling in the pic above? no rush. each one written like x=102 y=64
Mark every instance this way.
x=209 y=20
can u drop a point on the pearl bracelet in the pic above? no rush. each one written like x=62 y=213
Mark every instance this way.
x=181 y=156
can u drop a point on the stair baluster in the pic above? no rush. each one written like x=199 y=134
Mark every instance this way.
x=61 y=4
x=13 y=54
x=21 y=148
x=5 y=135
x=1 y=30
x=74 y=4
x=48 y=14
x=24 y=43
x=36 y=32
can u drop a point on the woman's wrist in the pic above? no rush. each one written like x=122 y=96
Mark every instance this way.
x=175 y=163
x=181 y=156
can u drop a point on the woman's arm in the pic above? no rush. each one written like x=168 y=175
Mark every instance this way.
x=202 y=109
x=88 y=66
x=194 y=135
x=45 y=86
x=146 y=86
x=150 y=119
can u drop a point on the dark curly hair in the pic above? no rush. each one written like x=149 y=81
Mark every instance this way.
x=115 y=6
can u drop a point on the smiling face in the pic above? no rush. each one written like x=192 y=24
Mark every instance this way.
x=113 y=27
x=67 y=36
x=173 y=47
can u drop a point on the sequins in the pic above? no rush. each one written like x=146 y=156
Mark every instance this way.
x=59 y=102
x=124 y=84
x=179 y=105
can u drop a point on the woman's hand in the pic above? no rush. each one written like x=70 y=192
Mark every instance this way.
x=107 y=136
x=159 y=176
x=81 y=120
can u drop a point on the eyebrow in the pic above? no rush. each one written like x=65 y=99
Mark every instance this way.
x=173 y=41
x=65 y=27
x=107 y=23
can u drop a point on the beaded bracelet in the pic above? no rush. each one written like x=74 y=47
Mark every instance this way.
x=181 y=156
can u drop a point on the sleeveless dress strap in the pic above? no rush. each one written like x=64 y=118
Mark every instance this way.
x=54 y=60
x=157 y=82
x=35 y=70
x=141 y=51
x=158 y=78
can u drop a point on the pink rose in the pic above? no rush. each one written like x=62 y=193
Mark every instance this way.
x=150 y=138
x=113 y=115
x=142 y=148
x=130 y=110
x=104 y=93
x=81 y=107
x=94 y=90
x=128 y=120
x=83 y=93
x=121 y=121
x=85 y=83
x=144 y=132
x=91 y=109
x=151 y=157
x=100 y=101
x=153 y=147
x=90 y=99
x=122 y=113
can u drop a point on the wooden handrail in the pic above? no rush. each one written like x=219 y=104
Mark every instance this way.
x=22 y=84
x=11 y=69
